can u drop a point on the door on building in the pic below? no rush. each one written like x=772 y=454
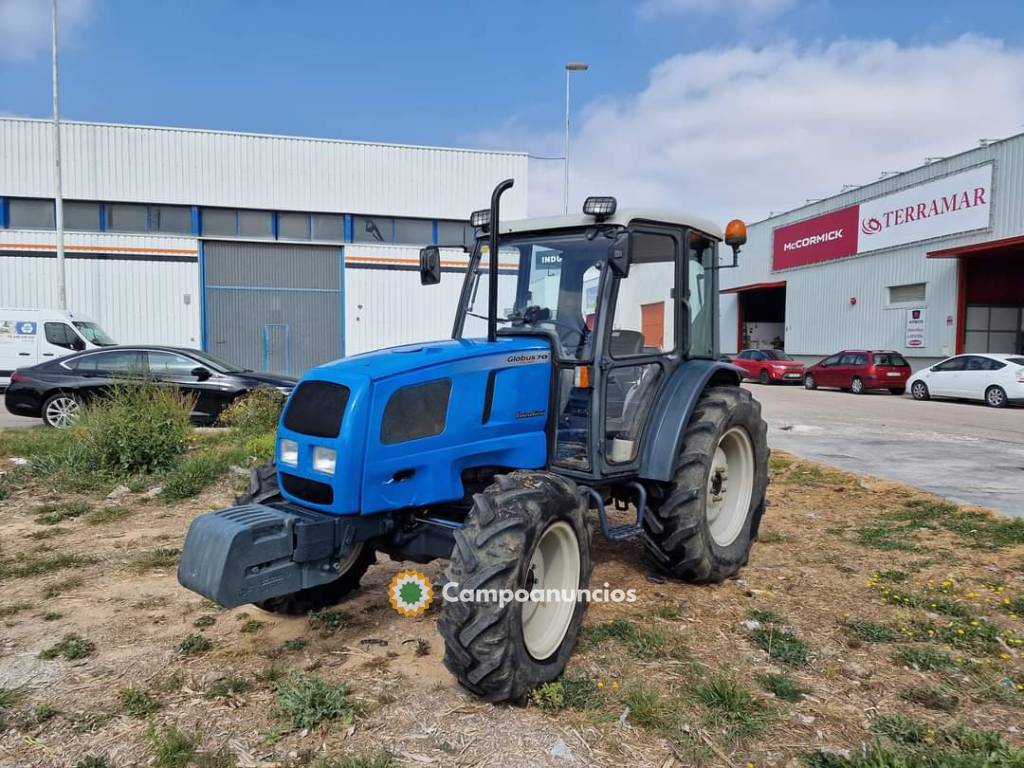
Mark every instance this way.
x=652 y=324
x=273 y=306
x=994 y=328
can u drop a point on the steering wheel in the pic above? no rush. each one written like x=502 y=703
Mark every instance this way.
x=535 y=315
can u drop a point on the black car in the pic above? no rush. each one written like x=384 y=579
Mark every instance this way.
x=53 y=391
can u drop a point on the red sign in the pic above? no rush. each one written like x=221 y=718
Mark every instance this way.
x=822 y=238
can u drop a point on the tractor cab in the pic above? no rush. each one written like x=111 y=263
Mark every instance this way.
x=622 y=297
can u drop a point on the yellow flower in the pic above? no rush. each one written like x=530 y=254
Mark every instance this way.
x=600 y=684
x=615 y=685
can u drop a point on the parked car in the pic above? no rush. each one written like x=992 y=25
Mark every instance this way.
x=769 y=365
x=33 y=336
x=55 y=391
x=997 y=379
x=859 y=370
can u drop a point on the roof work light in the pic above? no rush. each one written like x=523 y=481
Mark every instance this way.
x=599 y=207
x=480 y=219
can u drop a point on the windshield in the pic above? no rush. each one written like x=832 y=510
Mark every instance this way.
x=94 y=334
x=221 y=366
x=547 y=283
x=776 y=354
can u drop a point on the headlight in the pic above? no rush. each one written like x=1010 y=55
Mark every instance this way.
x=289 y=452
x=324 y=459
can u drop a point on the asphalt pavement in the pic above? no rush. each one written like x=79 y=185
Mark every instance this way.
x=966 y=452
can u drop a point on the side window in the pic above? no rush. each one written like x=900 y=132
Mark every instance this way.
x=645 y=305
x=860 y=359
x=953 y=364
x=700 y=259
x=170 y=364
x=61 y=335
x=757 y=356
x=112 y=362
x=848 y=359
x=834 y=360
x=745 y=355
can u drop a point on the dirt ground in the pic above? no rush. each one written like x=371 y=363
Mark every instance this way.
x=828 y=558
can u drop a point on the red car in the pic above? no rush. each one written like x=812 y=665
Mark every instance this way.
x=769 y=365
x=858 y=370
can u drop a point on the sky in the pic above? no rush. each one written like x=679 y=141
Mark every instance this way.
x=719 y=107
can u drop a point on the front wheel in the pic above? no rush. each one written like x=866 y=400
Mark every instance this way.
x=526 y=532
x=919 y=391
x=61 y=410
x=995 y=396
x=857 y=386
x=809 y=382
x=764 y=377
x=704 y=526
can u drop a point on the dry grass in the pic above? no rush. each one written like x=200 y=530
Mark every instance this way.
x=870 y=616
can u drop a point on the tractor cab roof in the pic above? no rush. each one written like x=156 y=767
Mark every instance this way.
x=622 y=217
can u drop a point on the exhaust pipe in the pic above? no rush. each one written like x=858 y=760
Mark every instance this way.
x=492 y=289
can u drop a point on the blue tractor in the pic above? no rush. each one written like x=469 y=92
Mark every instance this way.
x=584 y=376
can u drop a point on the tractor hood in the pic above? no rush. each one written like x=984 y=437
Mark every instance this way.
x=400 y=426
x=384 y=363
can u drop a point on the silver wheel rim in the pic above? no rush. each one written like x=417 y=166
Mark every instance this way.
x=809 y=382
x=345 y=565
x=62 y=412
x=995 y=396
x=730 y=486
x=919 y=391
x=555 y=565
x=856 y=385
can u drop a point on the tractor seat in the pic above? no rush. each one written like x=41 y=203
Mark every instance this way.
x=626 y=343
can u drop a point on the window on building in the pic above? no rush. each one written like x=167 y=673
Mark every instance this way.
x=373 y=229
x=414 y=231
x=81 y=217
x=903 y=294
x=293 y=226
x=454 y=233
x=219 y=222
x=30 y=214
x=328 y=226
x=124 y=217
x=255 y=224
x=170 y=218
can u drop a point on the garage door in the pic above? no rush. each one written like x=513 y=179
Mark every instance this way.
x=273 y=307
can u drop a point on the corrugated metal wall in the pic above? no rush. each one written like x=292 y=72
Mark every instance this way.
x=194 y=167
x=385 y=304
x=819 y=316
x=273 y=307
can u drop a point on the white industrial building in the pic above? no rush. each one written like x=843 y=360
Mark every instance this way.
x=929 y=263
x=274 y=252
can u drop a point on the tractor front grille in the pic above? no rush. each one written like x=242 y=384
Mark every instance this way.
x=316 y=408
x=308 y=490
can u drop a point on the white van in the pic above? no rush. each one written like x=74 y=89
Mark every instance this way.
x=32 y=336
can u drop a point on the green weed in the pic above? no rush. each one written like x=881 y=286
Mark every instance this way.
x=172 y=747
x=193 y=475
x=11 y=697
x=931 y=697
x=295 y=644
x=204 y=621
x=193 y=645
x=227 y=686
x=52 y=514
x=327 y=621
x=925 y=657
x=93 y=761
x=27 y=566
x=138 y=702
x=308 y=700
x=650 y=710
x=644 y=643
x=161 y=557
x=251 y=626
x=781 y=646
x=765 y=616
x=782 y=686
x=255 y=413
x=58 y=588
x=729 y=703
x=872 y=632
x=107 y=515
x=71 y=647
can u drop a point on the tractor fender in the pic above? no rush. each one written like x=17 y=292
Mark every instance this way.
x=672 y=413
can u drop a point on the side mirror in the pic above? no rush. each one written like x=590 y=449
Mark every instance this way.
x=430 y=265
x=619 y=255
x=201 y=373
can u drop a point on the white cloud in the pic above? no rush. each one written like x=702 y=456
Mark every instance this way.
x=753 y=9
x=25 y=25
x=742 y=131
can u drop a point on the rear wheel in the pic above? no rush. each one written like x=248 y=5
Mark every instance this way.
x=857 y=386
x=995 y=396
x=263 y=489
x=527 y=531
x=919 y=391
x=703 y=528
x=809 y=382
x=764 y=378
x=900 y=391
x=61 y=410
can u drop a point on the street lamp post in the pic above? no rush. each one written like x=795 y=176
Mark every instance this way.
x=58 y=203
x=572 y=66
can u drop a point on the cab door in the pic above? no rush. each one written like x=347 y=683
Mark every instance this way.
x=644 y=332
